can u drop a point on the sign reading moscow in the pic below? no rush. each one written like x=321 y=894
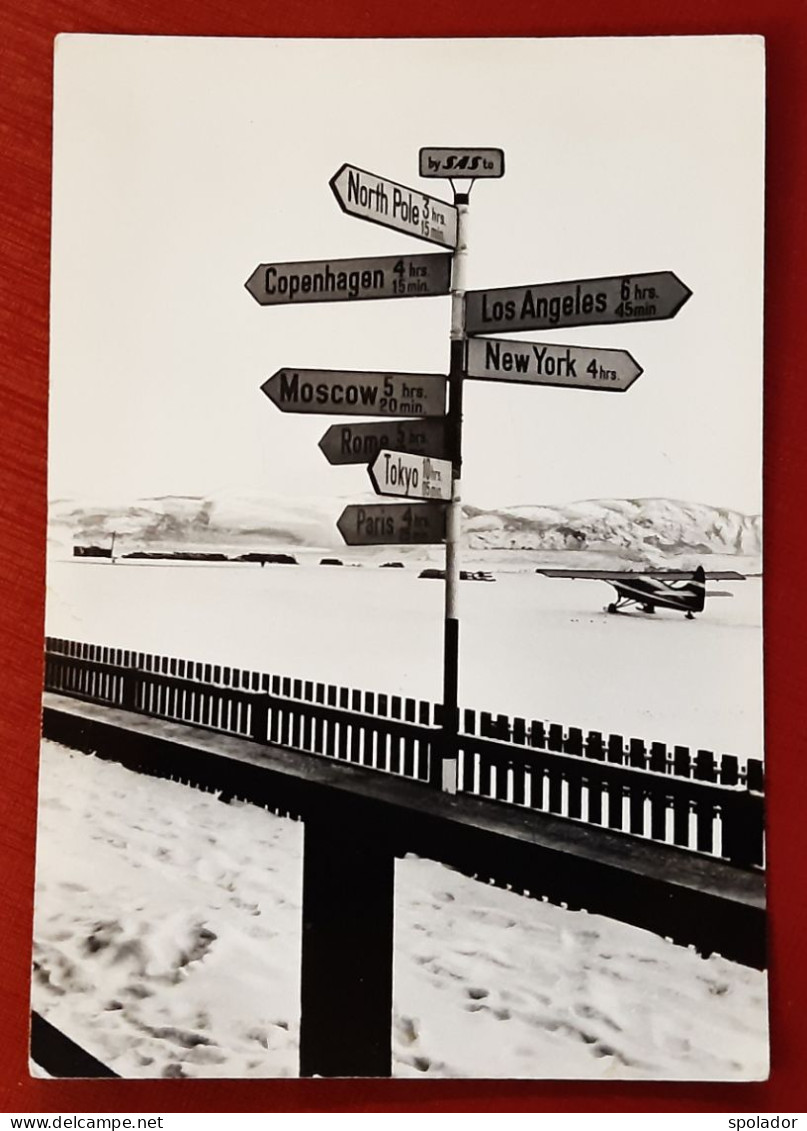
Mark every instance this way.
x=539 y=363
x=339 y=280
x=373 y=198
x=388 y=524
x=461 y=163
x=355 y=393
x=361 y=443
x=585 y=302
x=410 y=476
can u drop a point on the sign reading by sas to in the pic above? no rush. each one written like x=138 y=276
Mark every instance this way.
x=461 y=163
x=373 y=198
x=335 y=280
x=584 y=302
x=355 y=393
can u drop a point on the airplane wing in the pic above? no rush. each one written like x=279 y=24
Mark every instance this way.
x=629 y=574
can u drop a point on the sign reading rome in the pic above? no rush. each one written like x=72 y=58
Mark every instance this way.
x=355 y=393
x=461 y=163
x=339 y=280
x=584 y=302
x=373 y=198
x=541 y=363
x=389 y=524
x=411 y=477
x=361 y=443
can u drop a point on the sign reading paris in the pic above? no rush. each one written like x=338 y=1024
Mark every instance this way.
x=583 y=302
x=461 y=163
x=380 y=201
x=339 y=280
x=390 y=524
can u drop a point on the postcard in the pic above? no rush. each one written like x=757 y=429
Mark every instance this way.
x=403 y=682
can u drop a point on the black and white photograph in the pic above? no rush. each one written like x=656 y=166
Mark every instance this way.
x=403 y=704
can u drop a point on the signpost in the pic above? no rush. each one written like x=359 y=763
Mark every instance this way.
x=361 y=443
x=345 y=280
x=373 y=198
x=411 y=476
x=539 y=363
x=461 y=163
x=584 y=302
x=387 y=524
x=355 y=393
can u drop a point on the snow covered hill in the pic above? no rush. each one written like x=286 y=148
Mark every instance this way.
x=633 y=530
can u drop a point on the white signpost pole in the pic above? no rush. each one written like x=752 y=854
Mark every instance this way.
x=445 y=768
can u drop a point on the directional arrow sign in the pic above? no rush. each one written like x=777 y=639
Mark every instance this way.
x=395 y=206
x=386 y=524
x=539 y=363
x=410 y=476
x=461 y=163
x=357 y=393
x=585 y=302
x=337 y=280
x=361 y=443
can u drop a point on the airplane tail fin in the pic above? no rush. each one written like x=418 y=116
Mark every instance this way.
x=697 y=587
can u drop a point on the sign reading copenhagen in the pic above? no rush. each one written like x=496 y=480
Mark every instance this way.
x=373 y=198
x=353 y=393
x=411 y=476
x=334 y=280
x=387 y=524
x=539 y=363
x=585 y=302
x=461 y=163
x=361 y=443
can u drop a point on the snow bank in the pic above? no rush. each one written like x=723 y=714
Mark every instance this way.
x=167 y=943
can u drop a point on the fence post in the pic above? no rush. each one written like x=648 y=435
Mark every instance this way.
x=346 y=971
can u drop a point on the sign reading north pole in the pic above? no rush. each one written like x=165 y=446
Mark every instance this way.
x=388 y=524
x=361 y=443
x=583 y=302
x=341 y=280
x=541 y=363
x=410 y=476
x=373 y=198
x=355 y=393
x=461 y=163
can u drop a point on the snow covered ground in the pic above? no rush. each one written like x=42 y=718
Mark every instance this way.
x=531 y=646
x=167 y=941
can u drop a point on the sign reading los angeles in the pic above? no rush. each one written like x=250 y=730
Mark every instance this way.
x=388 y=524
x=584 y=302
x=411 y=477
x=373 y=198
x=461 y=163
x=340 y=280
x=541 y=363
x=355 y=393
x=361 y=443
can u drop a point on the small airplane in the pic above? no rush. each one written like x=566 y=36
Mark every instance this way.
x=684 y=591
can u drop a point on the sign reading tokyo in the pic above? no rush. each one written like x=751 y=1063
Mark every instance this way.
x=411 y=476
x=435 y=162
x=373 y=198
x=585 y=302
x=539 y=363
x=361 y=443
x=335 y=280
x=356 y=393
x=388 y=524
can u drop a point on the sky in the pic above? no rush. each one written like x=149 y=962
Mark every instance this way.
x=181 y=164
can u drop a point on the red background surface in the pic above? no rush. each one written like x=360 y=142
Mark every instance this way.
x=26 y=40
